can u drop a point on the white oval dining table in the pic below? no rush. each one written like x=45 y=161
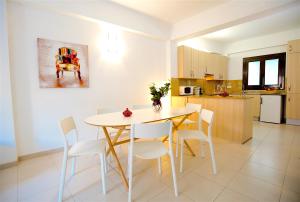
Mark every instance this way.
x=148 y=115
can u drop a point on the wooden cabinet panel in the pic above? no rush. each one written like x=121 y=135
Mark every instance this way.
x=232 y=119
x=294 y=46
x=293 y=72
x=195 y=64
x=184 y=62
x=292 y=106
x=178 y=101
x=255 y=106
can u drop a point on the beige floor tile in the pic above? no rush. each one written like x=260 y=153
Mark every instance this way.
x=32 y=178
x=9 y=184
x=292 y=180
x=223 y=177
x=199 y=188
x=146 y=185
x=93 y=193
x=279 y=162
x=167 y=195
x=289 y=196
x=51 y=195
x=263 y=172
x=231 y=196
x=255 y=188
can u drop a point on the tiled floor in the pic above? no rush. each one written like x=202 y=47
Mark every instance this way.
x=267 y=168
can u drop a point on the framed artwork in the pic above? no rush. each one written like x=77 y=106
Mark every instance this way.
x=62 y=65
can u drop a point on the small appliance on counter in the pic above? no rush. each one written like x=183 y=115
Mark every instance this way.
x=197 y=91
x=186 y=90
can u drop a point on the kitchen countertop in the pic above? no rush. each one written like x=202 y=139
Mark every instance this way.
x=241 y=97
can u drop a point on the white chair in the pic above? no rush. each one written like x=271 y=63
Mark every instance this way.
x=189 y=106
x=79 y=148
x=150 y=149
x=207 y=116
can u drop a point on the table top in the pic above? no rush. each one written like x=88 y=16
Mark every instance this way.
x=117 y=119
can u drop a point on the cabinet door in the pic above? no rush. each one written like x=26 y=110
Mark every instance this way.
x=178 y=101
x=294 y=46
x=293 y=72
x=211 y=63
x=292 y=106
x=223 y=67
x=184 y=62
x=201 y=64
x=195 y=63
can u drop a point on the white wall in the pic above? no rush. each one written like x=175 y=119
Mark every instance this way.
x=113 y=83
x=7 y=134
x=263 y=45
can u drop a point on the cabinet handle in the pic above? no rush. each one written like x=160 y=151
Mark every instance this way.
x=261 y=100
x=289 y=87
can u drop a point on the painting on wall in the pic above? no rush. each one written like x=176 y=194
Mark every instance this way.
x=62 y=65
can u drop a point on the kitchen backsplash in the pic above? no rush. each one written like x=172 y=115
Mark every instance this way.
x=210 y=86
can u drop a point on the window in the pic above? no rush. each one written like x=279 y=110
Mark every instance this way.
x=262 y=72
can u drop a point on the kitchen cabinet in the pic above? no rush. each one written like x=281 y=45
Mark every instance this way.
x=255 y=106
x=184 y=61
x=293 y=83
x=293 y=72
x=178 y=101
x=294 y=46
x=193 y=63
x=292 y=106
x=232 y=116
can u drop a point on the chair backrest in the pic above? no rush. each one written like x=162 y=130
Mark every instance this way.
x=192 y=106
x=67 y=125
x=143 y=106
x=208 y=117
x=151 y=130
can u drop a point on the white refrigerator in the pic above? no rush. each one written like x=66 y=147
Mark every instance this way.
x=270 y=108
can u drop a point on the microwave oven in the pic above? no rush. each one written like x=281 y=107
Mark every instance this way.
x=186 y=90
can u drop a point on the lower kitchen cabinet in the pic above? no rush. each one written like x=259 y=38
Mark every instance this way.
x=293 y=108
x=178 y=101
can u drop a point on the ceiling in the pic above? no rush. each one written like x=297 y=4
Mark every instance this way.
x=281 y=21
x=170 y=11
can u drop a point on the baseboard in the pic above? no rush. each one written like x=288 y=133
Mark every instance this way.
x=8 y=165
x=30 y=156
x=40 y=154
x=293 y=122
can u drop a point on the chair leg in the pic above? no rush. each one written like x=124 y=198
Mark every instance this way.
x=173 y=172
x=130 y=168
x=62 y=178
x=177 y=142
x=105 y=163
x=159 y=165
x=181 y=154
x=212 y=155
x=202 y=149
x=102 y=162
x=73 y=166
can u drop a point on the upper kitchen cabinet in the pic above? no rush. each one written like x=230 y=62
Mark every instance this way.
x=195 y=64
x=294 y=46
x=184 y=61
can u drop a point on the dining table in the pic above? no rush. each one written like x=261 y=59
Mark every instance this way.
x=117 y=120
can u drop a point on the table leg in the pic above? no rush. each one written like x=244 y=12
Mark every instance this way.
x=116 y=157
x=175 y=127
x=116 y=137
